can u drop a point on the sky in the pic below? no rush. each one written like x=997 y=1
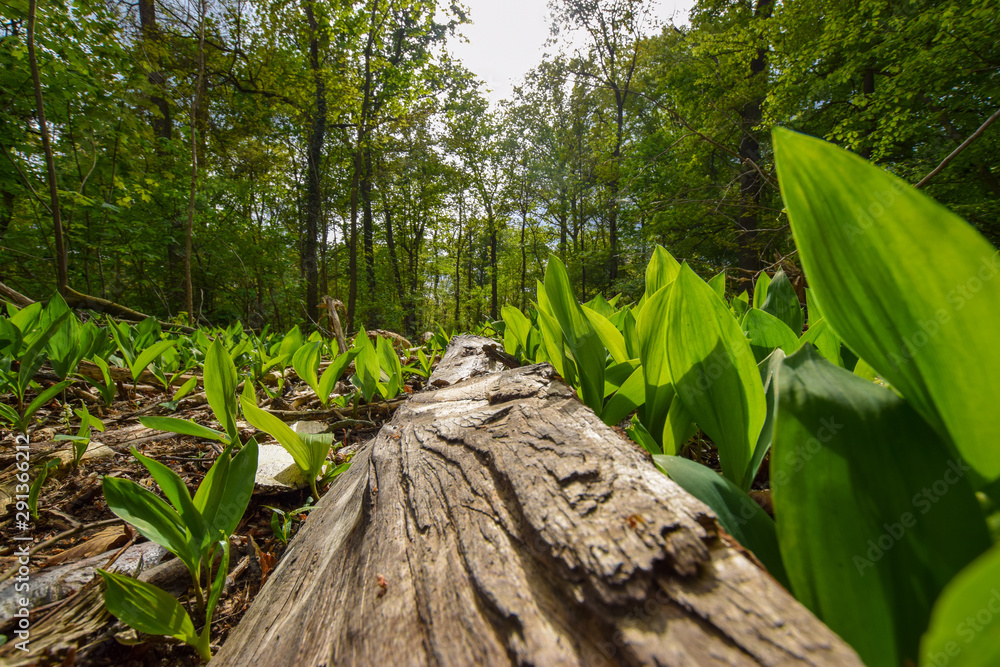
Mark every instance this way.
x=507 y=37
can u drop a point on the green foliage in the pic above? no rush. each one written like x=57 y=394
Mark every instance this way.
x=36 y=486
x=925 y=320
x=309 y=451
x=82 y=438
x=874 y=516
x=196 y=530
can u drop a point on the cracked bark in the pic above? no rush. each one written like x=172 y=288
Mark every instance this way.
x=498 y=521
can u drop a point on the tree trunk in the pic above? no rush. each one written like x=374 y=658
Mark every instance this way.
x=314 y=155
x=50 y=164
x=499 y=521
x=195 y=105
x=368 y=238
x=751 y=180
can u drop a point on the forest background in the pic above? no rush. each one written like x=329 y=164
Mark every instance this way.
x=237 y=159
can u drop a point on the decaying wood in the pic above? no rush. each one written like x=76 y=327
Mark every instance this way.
x=15 y=297
x=498 y=521
x=331 y=305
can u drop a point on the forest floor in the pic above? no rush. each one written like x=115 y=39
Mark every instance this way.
x=76 y=532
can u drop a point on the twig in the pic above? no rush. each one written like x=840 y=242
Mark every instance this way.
x=965 y=144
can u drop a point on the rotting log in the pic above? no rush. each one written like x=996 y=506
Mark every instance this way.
x=499 y=521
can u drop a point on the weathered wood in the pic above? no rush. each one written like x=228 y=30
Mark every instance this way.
x=498 y=521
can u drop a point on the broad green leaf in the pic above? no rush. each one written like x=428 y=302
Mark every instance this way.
x=652 y=333
x=552 y=344
x=678 y=428
x=224 y=512
x=765 y=333
x=783 y=302
x=305 y=362
x=218 y=583
x=44 y=398
x=151 y=516
x=182 y=427
x=390 y=366
x=740 y=304
x=874 y=516
x=611 y=338
x=629 y=396
x=10 y=338
x=958 y=635
x=147 y=356
x=177 y=493
x=641 y=436
x=333 y=373
x=32 y=359
x=714 y=372
x=366 y=366
x=739 y=515
x=661 y=270
x=908 y=285
x=760 y=290
x=281 y=432
x=147 y=608
x=825 y=340
x=515 y=335
x=718 y=284
x=220 y=387
x=769 y=375
x=588 y=350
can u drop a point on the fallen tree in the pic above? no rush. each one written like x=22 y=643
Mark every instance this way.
x=496 y=520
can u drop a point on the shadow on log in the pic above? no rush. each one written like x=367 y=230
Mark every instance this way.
x=498 y=521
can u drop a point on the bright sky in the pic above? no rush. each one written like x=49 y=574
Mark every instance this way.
x=507 y=37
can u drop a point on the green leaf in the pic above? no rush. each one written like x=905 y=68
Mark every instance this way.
x=305 y=362
x=224 y=494
x=760 y=290
x=610 y=336
x=739 y=515
x=825 y=340
x=783 y=302
x=390 y=366
x=769 y=375
x=515 y=335
x=147 y=608
x=874 y=517
x=280 y=431
x=661 y=270
x=183 y=427
x=588 y=350
x=641 y=436
x=150 y=354
x=958 y=635
x=908 y=285
x=629 y=396
x=765 y=333
x=36 y=486
x=714 y=372
x=177 y=493
x=151 y=516
x=652 y=332
x=718 y=284
x=44 y=398
x=220 y=387
x=32 y=359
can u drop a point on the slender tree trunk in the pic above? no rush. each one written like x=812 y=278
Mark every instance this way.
x=458 y=262
x=368 y=237
x=62 y=277
x=195 y=104
x=494 y=308
x=314 y=155
x=751 y=181
x=524 y=259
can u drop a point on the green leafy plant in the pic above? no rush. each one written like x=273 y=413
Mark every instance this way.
x=195 y=529
x=306 y=361
x=220 y=390
x=138 y=358
x=309 y=451
x=106 y=386
x=36 y=486
x=82 y=438
x=282 y=522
